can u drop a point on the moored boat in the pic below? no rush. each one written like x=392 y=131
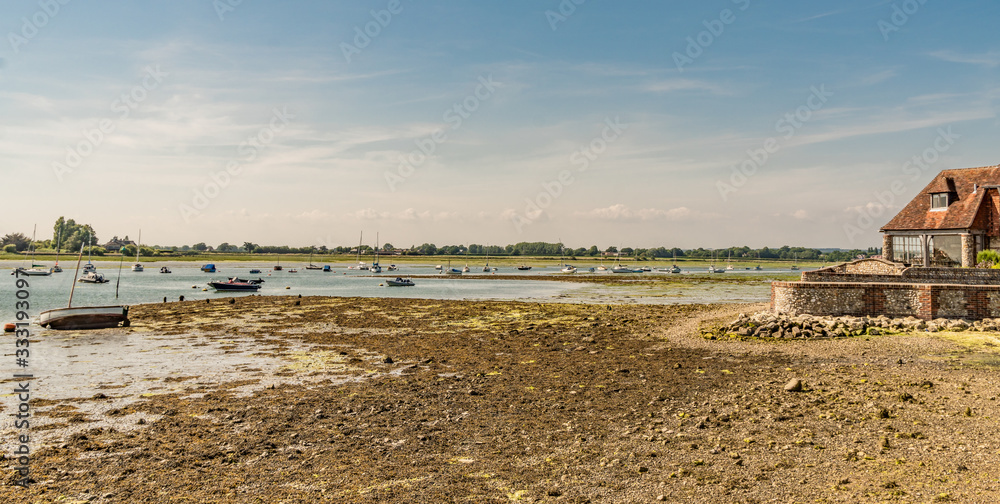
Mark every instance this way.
x=93 y=277
x=164 y=269
x=400 y=282
x=208 y=268
x=237 y=284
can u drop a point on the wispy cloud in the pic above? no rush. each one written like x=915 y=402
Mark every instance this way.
x=624 y=213
x=989 y=59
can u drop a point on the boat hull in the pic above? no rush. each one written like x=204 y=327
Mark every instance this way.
x=227 y=286
x=404 y=283
x=33 y=272
x=91 y=317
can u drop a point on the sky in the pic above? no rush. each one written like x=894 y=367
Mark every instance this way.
x=632 y=123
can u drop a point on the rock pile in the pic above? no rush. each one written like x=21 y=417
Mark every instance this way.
x=777 y=326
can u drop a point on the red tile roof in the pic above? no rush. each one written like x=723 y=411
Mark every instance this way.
x=964 y=204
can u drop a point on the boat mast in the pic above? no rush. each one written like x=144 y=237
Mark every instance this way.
x=77 y=272
x=58 y=244
x=137 y=244
x=32 y=246
x=362 y=237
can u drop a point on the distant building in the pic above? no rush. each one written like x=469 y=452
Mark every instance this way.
x=116 y=244
x=952 y=219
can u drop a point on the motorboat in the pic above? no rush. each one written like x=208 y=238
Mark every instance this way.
x=84 y=317
x=621 y=269
x=466 y=269
x=326 y=268
x=165 y=269
x=293 y=270
x=453 y=271
x=523 y=268
x=89 y=268
x=93 y=277
x=254 y=271
x=208 y=268
x=713 y=269
x=393 y=267
x=400 y=282
x=757 y=268
x=568 y=268
x=237 y=284
x=438 y=267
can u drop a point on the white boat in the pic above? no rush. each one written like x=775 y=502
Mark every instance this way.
x=92 y=277
x=399 y=282
x=451 y=271
x=618 y=268
x=438 y=267
x=568 y=268
x=376 y=267
x=56 y=268
x=35 y=269
x=83 y=317
x=137 y=266
x=392 y=267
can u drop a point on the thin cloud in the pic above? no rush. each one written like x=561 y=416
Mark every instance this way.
x=989 y=59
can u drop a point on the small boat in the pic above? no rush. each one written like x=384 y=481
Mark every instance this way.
x=84 y=317
x=757 y=268
x=87 y=317
x=237 y=284
x=392 y=267
x=254 y=271
x=326 y=268
x=713 y=269
x=466 y=269
x=311 y=265
x=277 y=267
x=56 y=268
x=208 y=268
x=523 y=268
x=400 y=282
x=453 y=271
x=675 y=269
x=293 y=270
x=89 y=268
x=646 y=269
x=137 y=267
x=568 y=268
x=93 y=277
x=621 y=269
x=164 y=269
x=33 y=271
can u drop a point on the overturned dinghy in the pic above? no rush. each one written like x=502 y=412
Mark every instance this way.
x=85 y=317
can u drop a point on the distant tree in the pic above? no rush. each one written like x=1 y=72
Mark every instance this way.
x=185 y=248
x=249 y=247
x=388 y=247
x=19 y=241
x=200 y=246
x=627 y=251
x=612 y=250
x=10 y=249
x=593 y=251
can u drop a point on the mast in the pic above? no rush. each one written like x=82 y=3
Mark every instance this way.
x=75 y=274
x=137 y=244
x=58 y=244
x=32 y=246
x=362 y=237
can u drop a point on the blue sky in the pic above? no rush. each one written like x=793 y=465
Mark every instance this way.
x=607 y=123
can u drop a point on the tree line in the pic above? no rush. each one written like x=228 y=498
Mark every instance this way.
x=68 y=236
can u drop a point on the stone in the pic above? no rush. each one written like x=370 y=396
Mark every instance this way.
x=793 y=385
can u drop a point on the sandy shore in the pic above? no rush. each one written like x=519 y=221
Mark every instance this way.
x=274 y=399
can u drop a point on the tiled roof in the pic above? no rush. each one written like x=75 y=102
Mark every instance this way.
x=963 y=206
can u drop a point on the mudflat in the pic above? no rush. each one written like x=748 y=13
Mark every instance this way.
x=321 y=399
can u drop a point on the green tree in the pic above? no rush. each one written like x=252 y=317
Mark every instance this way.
x=200 y=246
x=19 y=241
x=10 y=249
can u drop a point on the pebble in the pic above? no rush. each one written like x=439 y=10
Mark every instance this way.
x=793 y=385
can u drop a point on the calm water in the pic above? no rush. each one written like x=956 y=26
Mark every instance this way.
x=187 y=280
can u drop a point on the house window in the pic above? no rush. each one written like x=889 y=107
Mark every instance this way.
x=907 y=249
x=939 y=201
x=946 y=250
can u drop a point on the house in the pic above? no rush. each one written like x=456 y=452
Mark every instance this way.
x=116 y=244
x=949 y=221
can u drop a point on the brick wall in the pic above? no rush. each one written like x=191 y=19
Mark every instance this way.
x=924 y=301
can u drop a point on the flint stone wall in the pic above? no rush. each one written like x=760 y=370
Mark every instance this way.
x=923 y=301
x=881 y=271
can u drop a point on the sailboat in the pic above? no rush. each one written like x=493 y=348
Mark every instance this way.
x=277 y=266
x=602 y=267
x=137 y=266
x=486 y=269
x=566 y=268
x=729 y=266
x=361 y=266
x=795 y=260
x=89 y=267
x=56 y=268
x=376 y=268
x=712 y=268
x=311 y=265
x=451 y=271
x=618 y=268
x=34 y=270
x=83 y=317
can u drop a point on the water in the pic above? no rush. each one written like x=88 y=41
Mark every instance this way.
x=189 y=281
